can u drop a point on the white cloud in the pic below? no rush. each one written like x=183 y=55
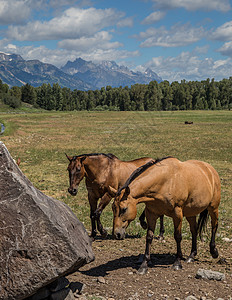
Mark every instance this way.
x=202 y=50
x=115 y=55
x=207 y=5
x=226 y=49
x=178 y=35
x=73 y=23
x=153 y=17
x=190 y=67
x=57 y=3
x=45 y=5
x=59 y=57
x=127 y=22
x=223 y=33
x=14 y=12
x=101 y=40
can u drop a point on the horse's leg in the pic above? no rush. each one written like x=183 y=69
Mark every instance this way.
x=214 y=223
x=193 y=229
x=93 y=205
x=161 y=234
x=142 y=221
x=151 y=220
x=105 y=200
x=177 y=220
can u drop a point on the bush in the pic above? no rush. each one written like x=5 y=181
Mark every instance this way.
x=12 y=101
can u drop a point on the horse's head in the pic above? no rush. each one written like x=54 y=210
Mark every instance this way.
x=76 y=173
x=124 y=209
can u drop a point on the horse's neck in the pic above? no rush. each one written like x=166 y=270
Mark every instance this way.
x=95 y=167
x=142 y=190
x=128 y=167
x=125 y=169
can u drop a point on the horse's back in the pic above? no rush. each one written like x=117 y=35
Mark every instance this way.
x=124 y=169
x=193 y=185
x=137 y=162
x=204 y=181
x=205 y=169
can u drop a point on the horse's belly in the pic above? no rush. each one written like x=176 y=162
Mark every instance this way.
x=192 y=210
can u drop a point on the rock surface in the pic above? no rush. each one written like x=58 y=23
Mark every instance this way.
x=210 y=275
x=40 y=237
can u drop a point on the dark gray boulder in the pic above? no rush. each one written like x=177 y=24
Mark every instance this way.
x=40 y=237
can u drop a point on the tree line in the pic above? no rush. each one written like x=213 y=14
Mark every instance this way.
x=184 y=95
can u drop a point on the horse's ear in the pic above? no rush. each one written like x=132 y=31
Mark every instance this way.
x=83 y=158
x=68 y=157
x=111 y=191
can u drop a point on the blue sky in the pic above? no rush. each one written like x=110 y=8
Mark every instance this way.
x=177 y=39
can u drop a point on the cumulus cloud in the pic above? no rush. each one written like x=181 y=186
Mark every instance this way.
x=59 y=57
x=73 y=23
x=127 y=22
x=226 y=49
x=57 y=3
x=14 y=12
x=223 y=33
x=153 y=17
x=178 y=35
x=189 y=66
x=100 y=40
x=207 y=5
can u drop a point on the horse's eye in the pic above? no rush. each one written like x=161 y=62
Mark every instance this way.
x=123 y=210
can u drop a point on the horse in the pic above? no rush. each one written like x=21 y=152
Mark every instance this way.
x=174 y=188
x=100 y=171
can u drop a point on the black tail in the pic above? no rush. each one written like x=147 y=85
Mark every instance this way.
x=202 y=222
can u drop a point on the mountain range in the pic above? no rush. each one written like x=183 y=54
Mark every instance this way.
x=79 y=74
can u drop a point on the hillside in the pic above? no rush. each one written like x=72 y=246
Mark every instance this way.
x=15 y=71
x=108 y=73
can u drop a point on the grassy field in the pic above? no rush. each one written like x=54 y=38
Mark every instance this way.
x=42 y=139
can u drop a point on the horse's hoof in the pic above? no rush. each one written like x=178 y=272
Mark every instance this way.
x=214 y=253
x=92 y=238
x=177 y=266
x=104 y=233
x=189 y=260
x=142 y=270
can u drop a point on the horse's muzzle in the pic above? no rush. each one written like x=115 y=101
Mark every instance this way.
x=73 y=192
x=119 y=234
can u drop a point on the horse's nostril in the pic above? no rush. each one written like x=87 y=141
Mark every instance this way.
x=72 y=191
x=118 y=236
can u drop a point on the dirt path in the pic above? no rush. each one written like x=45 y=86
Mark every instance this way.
x=113 y=274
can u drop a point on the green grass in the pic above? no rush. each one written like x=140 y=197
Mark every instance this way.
x=42 y=139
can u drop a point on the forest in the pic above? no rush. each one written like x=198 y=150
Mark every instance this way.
x=184 y=95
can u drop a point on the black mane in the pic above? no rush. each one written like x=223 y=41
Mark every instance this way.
x=109 y=155
x=139 y=171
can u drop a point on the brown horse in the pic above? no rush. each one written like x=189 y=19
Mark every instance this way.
x=173 y=188
x=101 y=171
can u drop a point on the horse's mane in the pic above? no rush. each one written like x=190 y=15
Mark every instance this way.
x=139 y=171
x=109 y=155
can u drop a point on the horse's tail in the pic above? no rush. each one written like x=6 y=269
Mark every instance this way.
x=202 y=222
